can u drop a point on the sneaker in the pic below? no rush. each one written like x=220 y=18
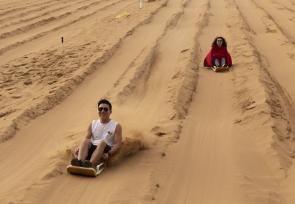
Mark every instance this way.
x=76 y=162
x=100 y=167
x=87 y=164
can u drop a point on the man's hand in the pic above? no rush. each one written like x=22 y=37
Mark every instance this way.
x=76 y=152
x=105 y=157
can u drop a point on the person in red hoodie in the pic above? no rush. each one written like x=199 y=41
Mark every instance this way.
x=218 y=55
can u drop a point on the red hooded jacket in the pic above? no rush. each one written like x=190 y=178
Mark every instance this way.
x=217 y=52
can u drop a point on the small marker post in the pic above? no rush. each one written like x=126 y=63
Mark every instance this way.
x=140 y=4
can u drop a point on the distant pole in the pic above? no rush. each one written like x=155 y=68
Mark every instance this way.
x=62 y=40
x=140 y=3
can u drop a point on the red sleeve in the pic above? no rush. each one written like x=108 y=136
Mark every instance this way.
x=228 y=60
x=208 y=59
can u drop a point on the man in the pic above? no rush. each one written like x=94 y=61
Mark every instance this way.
x=103 y=139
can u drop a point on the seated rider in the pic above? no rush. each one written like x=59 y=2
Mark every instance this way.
x=103 y=139
x=218 y=55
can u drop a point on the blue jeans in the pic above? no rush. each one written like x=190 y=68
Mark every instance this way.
x=219 y=62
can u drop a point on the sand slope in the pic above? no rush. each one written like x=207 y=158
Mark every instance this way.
x=208 y=137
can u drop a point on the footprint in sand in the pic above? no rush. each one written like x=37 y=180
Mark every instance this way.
x=16 y=96
x=237 y=121
x=270 y=30
x=6 y=113
x=28 y=82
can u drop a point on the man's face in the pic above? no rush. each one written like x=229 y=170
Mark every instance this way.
x=104 y=111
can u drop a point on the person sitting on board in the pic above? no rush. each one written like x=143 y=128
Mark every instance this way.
x=218 y=56
x=103 y=139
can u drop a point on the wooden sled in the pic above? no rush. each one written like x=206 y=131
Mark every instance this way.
x=220 y=69
x=84 y=171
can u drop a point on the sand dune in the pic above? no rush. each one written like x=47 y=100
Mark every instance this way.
x=195 y=136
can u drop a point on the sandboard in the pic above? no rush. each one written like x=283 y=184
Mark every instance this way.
x=220 y=69
x=84 y=171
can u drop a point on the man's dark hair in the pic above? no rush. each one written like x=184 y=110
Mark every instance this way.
x=105 y=101
x=224 y=43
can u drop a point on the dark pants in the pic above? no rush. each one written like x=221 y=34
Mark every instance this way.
x=92 y=149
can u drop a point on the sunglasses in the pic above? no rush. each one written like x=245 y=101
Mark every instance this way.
x=105 y=109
